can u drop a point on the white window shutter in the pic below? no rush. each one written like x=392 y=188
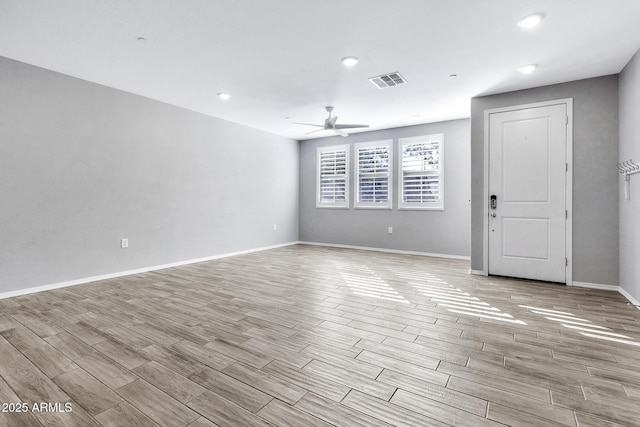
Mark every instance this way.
x=421 y=162
x=373 y=167
x=333 y=177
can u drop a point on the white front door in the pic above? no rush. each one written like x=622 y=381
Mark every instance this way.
x=527 y=179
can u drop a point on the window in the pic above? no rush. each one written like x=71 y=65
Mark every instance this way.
x=421 y=182
x=333 y=177
x=373 y=165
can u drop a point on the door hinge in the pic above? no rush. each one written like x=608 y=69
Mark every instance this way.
x=566 y=262
x=566 y=120
x=566 y=214
x=566 y=167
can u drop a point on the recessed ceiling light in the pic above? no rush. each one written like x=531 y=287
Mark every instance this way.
x=526 y=69
x=453 y=76
x=530 y=21
x=223 y=96
x=350 y=61
x=141 y=39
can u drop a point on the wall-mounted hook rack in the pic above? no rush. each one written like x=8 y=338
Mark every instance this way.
x=626 y=169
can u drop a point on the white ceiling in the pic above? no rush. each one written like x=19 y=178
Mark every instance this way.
x=280 y=59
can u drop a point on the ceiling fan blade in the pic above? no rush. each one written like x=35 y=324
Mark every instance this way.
x=307 y=124
x=350 y=126
x=330 y=124
x=313 y=131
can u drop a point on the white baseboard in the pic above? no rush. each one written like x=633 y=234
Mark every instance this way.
x=631 y=299
x=618 y=289
x=130 y=272
x=393 y=251
x=594 y=286
x=27 y=291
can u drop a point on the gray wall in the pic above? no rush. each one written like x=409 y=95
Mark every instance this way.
x=439 y=232
x=595 y=177
x=630 y=149
x=83 y=165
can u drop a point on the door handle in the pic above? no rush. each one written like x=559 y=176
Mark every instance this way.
x=493 y=214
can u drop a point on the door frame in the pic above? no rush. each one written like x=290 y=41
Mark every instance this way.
x=568 y=183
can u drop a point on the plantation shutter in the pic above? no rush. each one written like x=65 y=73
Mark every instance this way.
x=373 y=174
x=421 y=163
x=333 y=177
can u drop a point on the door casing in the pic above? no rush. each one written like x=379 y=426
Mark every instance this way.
x=568 y=189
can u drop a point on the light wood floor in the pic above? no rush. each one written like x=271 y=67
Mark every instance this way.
x=306 y=336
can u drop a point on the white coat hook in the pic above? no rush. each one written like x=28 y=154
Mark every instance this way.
x=626 y=169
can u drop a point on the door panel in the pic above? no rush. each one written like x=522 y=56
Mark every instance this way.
x=527 y=155
x=526 y=238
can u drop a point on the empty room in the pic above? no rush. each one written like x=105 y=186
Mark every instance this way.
x=315 y=213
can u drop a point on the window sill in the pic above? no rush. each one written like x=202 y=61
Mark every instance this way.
x=375 y=208
x=331 y=207
x=421 y=208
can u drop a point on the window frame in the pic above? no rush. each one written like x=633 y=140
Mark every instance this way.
x=402 y=142
x=388 y=145
x=332 y=149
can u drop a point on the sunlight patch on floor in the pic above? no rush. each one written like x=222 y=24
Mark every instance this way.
x=364 y=282
x=457 y=301
x=586 y=327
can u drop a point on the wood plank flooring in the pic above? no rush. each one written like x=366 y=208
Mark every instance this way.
x=315 y=336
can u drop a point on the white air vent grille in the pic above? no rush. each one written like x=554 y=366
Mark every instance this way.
x=387 y=80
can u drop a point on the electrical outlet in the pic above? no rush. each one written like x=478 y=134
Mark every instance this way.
x=124 y=243
x=390 y=230
x=275 y=227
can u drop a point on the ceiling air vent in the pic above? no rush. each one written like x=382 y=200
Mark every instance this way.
x=387 y=80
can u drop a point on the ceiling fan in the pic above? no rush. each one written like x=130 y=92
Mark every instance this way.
x=330 y=124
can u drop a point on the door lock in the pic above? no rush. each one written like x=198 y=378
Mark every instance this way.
x=494 y=201
x=493 y=214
